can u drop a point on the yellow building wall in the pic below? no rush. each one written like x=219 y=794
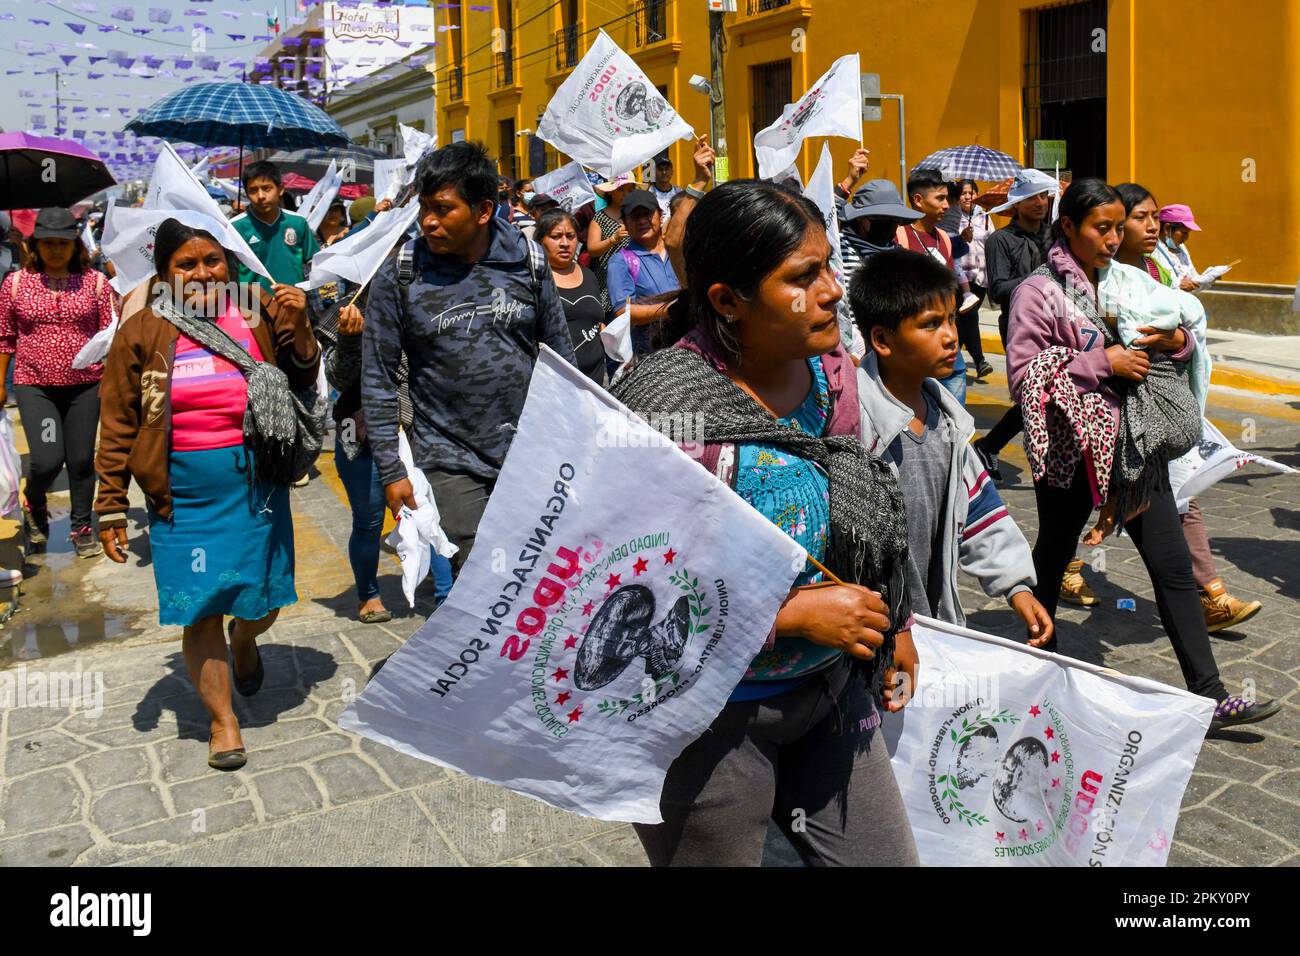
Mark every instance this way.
x=1195 y=89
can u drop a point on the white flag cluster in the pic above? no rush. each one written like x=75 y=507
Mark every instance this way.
x=1009 y=755
x=607 y=114
x=174 y=193
x=832 y=107
x=358 y=257
x=577 y=674
x=317 y=202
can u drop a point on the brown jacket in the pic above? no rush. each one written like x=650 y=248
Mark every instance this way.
x=135 y=412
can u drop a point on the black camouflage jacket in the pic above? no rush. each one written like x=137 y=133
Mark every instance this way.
x=471 y=333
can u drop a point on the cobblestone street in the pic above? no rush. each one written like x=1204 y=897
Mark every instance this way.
x=131 y=786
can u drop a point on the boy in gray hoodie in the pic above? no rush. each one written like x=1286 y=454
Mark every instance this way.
x=903 y=304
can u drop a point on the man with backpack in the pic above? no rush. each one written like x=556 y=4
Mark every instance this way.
x=469 y=301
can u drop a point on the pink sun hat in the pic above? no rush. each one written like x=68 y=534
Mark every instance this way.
x=1180 y=214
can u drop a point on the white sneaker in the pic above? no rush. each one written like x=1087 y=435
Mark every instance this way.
x=969 y=302
x=10 y=578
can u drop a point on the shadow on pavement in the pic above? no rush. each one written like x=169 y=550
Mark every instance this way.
x=344 y=604
x=1277 y=562
x=292 y=672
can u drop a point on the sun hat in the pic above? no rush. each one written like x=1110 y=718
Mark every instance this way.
x=878 y=198
x=54 y=222
x=618 y=182
x=1027 y=184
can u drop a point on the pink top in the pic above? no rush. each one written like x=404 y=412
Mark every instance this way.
x=45 y=328
x=1042 y=316
x=208 y=393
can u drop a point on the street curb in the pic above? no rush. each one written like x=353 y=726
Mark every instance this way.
x=1221 y=376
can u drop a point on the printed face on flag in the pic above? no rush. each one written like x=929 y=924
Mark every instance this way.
x=831 y=107
x=608 y=115
x=567 y=185
x=614 y=597
x=1011 y=756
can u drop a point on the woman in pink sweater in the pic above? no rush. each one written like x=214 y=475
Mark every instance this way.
x=1069 y=372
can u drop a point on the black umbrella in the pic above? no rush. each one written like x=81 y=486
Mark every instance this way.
x=40 y=171
x=314 y=163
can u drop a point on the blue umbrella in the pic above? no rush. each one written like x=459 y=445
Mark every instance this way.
x=971 y=162
x=246 y=115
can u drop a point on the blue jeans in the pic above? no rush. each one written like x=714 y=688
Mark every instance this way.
x=956 y=382
x=360 y=480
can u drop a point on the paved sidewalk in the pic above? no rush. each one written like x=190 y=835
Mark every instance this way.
x=132 y=785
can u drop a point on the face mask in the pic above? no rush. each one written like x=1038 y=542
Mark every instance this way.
x=528 y=197
x=1169 y=241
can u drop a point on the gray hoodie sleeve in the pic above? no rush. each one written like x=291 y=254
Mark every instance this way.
x=381 y=354
x=992 y=548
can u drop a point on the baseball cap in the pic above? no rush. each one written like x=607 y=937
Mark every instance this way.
x=1180 y=214
x=639 y=199
x=877 y=198
x=1027 y=184
x=54 y=222
x=541 y=199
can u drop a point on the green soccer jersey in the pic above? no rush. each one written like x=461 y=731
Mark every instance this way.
x=284 y=246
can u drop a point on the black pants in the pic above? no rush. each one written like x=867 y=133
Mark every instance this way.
x=1012 y=421
x=60 y=422
x=968 y=329
x=1158 y=535
x=461 y=501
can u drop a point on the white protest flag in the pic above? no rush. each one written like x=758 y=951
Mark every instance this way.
x=616 y=337
x=568 y=185
x=634 y=590
x=821 y=190
x=173 y=193
x=790 y=172
x=88 y=238
x=131 y=248
x=227 y=186
x=415 y=143
x=832 y=107
x=390 y=177
x=607 y=114
x=358 y=257
x=318 y=200
x=1009 y=755
x=1211 y=460
x=200 y=169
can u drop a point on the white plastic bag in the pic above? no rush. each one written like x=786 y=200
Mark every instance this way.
x=11 y=468
x=419 y=530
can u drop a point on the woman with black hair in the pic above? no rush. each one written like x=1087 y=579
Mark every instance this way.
x=48 y=312
x=173 y=420
x=1141 y=233
x=756 y=357
x=1070 y=374
x=578 y=288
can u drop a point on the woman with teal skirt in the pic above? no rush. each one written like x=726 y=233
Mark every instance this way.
x=172 y=419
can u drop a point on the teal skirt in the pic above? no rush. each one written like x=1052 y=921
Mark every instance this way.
x=228 y=548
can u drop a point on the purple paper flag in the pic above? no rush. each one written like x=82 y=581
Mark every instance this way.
x=160 y=15
x=123 y=13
